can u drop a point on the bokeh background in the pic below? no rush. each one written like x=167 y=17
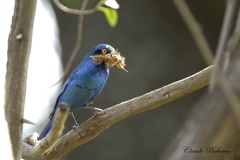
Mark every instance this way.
x=159 y=50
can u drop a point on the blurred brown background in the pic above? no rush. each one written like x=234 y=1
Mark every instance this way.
x=159 y=50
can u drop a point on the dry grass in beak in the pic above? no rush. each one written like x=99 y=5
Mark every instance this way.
x=113 y=59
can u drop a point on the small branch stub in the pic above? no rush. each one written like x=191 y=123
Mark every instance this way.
x=19 y=36
x=56 y=130
x=34 y=148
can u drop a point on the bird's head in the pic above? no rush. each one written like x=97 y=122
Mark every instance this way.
x=102 y=49
x=107 y=55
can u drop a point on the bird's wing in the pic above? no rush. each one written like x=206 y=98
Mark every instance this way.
x=81 y=90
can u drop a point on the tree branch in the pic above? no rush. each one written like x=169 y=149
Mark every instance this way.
x=36 y=149
x=195 y=30
x=228 y=23
x=74 y=11
x=79 y=35
x=78 y=40
x=19 y=45
x=98 y=123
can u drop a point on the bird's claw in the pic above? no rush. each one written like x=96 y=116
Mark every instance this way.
x=96 y=110
x=75 y=126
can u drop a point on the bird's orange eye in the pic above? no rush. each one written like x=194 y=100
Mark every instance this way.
x=104 y=51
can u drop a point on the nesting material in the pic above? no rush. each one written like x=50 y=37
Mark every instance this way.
x=113 y=59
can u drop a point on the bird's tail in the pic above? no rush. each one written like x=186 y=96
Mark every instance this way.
x=46 y=128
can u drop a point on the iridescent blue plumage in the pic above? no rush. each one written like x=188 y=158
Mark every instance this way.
x=83 y=85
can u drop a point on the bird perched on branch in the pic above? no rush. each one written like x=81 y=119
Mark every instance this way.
x=85 y=83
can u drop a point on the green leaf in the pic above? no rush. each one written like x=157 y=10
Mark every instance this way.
x=109 y=7
x=111 y=16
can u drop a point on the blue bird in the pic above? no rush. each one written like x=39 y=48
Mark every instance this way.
x=83 y=85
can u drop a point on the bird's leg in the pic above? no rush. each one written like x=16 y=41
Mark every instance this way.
x=96 y=110
x=75 y=121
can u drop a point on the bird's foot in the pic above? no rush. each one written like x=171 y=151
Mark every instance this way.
x=75 y=126
x=74 y=119
x=96 y=110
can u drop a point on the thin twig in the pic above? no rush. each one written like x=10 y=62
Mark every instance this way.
x=98 y=123
x=232 y=47
x=82 y=11
x=78 y=41
x=228 y=23
x=195 y=31
x=227 y=26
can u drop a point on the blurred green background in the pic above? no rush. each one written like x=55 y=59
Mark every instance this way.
x=159 y=50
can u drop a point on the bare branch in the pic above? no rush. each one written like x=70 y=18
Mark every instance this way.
x=36 y=149
x=98 y=123
x=74 y=11
x=195 y=30
x=78 y=40
x=19 y=45
x=228 y=23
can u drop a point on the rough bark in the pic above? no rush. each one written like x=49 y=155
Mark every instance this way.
x=19 y=45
